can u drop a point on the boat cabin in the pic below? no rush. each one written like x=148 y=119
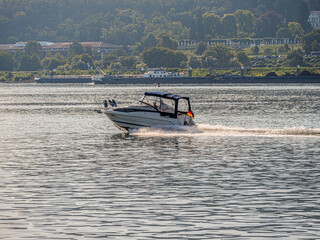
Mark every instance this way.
x=167 y=104
x=161 y=73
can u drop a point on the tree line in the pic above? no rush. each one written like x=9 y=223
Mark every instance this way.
x=33 y=59
x=155 y=52
x=128 y=22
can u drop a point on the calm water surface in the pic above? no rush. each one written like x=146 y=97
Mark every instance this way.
x=251 y=170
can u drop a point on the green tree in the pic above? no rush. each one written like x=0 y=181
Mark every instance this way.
x=48 y=54
x=35 y=63
x=116 y=65
x=108 y=59
x=201 y=47
x=197 y=30
x=75 y=48
x=316 y=45
x=163 y=57
x=284 y=48
x=311 y=39
x=149 y=42
x=78 y=64
x=255 y=50
x=87 y=59
x=88 y=50
x=29 y=63
x=54 y=63
x=284 y=33
x=268 y=51
x=45 y=62
x=4 y=26
x=210 y=23
x=61 y=58
x=25 y=63
x=33 y=47
x=7 y=61
x=219 y=56
x=295 y=29
x=51 y=63
x=120 y=52
x=303 y=14
x=167 y=42
x=228 y=25
x=128 y=62
x=267 y=24
x=243 y=58
x=194 y=61
x=294 y=58
x=245 y=22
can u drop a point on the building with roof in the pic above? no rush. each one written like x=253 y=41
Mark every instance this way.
x=62 y=48
x=314 y=19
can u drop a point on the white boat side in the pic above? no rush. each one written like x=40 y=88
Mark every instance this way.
x=139 y=119
x=149 y=114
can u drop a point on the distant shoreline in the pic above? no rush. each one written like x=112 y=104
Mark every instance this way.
x=195 y=80
x=198 y=80
x=232 y=76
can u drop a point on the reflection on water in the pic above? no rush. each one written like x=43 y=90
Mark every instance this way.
x=249 y=171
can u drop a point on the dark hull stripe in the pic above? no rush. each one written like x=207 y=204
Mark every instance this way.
x=129 y=123
x=132 y=110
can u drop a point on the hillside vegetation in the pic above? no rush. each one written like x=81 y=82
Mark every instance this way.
x=127 y=22
x=153 y=28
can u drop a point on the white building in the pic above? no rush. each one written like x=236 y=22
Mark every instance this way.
x=314 y=19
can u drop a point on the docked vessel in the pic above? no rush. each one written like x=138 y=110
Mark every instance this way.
x=154 y=109
x=64 y=79
x=152 y=75
x=161 y=73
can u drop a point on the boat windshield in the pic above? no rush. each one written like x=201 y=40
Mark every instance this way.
x=161 y=104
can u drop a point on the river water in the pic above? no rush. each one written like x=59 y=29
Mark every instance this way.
x=250 y=170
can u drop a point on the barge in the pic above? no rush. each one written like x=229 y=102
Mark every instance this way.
x=64 y=79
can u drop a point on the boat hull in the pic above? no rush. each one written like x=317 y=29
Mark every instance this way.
x=64 y=79
x=126 y=121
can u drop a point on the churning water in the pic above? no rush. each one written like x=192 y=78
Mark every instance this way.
x=250 y=169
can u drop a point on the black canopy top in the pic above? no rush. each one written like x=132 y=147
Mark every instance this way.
x=164 y=95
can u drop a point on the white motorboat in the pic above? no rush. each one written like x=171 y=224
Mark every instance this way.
x=154 y=109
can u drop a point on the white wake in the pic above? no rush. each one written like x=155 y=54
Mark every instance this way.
x=219 y=130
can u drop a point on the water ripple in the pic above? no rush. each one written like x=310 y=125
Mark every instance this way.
x=68 y=173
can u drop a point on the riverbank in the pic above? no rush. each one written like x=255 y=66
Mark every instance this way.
x=199 y=75
x=217 y=80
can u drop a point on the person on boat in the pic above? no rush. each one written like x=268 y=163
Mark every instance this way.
x=105 y=103
x=165 y=107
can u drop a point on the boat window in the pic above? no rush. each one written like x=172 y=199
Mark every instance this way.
x=162 y=104
x=151 y=101
x=167 y=105
x=183 y=105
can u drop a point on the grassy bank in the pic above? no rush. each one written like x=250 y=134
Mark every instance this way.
x=28 y=76
x=280 y=71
